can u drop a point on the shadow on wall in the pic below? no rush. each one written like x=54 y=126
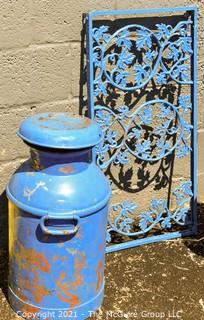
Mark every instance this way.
x=4 y=254
x=83 y=101
x=196 y=244
x=124 y=55
x=122 y=176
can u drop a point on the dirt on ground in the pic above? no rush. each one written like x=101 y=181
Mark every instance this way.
x=158 y=281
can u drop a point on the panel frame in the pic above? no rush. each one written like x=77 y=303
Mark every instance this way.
x=194 y=11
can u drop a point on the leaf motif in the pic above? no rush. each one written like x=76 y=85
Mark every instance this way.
x=185 y=44
x=122 y=157
x=146 y=115
x=129 y=206
x=96 y=59
x=161 y=78
x=143 y=148
x=123 y=112
x=101 y=149
x=99 y=32
x=187 y=127
x=100 y=88
x=184 y=102
x=103 y=118
x=165 y=111
x=121 y=78
x=173 y=53
x=150 y=55
x=181 y=71
x=186 y=188
x=182 y=215
x=125 y=225
x=155 y=203
x=140 y=73
x=164 y=31
x=166 y=223
x=143 y=224
x=182 y=151
x=144 y=39
x=110 y=137
x=135 y=133
x=163 y=147
x=122 y=40
x=183 y=193
x=124 y=60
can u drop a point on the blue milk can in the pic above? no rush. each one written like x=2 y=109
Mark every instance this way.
x=58 y=204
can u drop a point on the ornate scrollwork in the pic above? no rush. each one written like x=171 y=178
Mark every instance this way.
x=133 y=55
x=128 y=60
x=158 y=215
x=153 y=131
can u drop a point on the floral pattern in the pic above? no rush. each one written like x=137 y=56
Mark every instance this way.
x=128 y=60
x=158 y=214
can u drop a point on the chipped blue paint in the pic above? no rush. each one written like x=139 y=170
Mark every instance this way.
x=58 y=205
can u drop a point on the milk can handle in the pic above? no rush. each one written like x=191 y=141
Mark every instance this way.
x=59 y=232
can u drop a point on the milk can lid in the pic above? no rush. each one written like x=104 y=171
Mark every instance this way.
x=60 y=130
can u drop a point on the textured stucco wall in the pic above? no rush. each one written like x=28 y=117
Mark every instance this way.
x=40 y=62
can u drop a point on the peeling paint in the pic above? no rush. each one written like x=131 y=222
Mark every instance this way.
x=28 y=193
x=67 y=296
x=79 y=263
x=33 y=262
x=72 y=250
x=67 y=169
x=99 y=275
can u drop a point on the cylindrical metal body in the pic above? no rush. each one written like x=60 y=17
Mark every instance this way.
x=57 y=226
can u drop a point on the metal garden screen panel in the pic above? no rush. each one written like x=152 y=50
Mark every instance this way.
x=142 y=92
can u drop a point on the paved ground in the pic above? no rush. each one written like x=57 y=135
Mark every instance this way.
x=158 y=281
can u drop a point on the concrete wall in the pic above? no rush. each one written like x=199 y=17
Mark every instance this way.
x=40 y=66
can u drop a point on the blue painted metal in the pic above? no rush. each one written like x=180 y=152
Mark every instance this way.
x=60 y=131
x=57 y=223
x=127 y=60
x=194 y=147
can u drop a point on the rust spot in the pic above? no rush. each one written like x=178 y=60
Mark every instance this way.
x=35 y=160
x=59 y=258
x=67 y=296
x=85 y=123
x=67 y=169
x=99 y=275
x=26 y=308
x=78 y=235
x=80 y=263
x=67 y=122
x=62 y=285
x=22 y=296
x=71 y=298
x=32 y=261
x=27 y=257
x=101 y=247
x=37 y=290
x=55 y=258
x=66 y=232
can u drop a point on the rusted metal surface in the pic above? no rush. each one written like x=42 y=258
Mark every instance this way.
x=57 y=235
x=64 y=119
x=67 y=169
x=67 y=273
